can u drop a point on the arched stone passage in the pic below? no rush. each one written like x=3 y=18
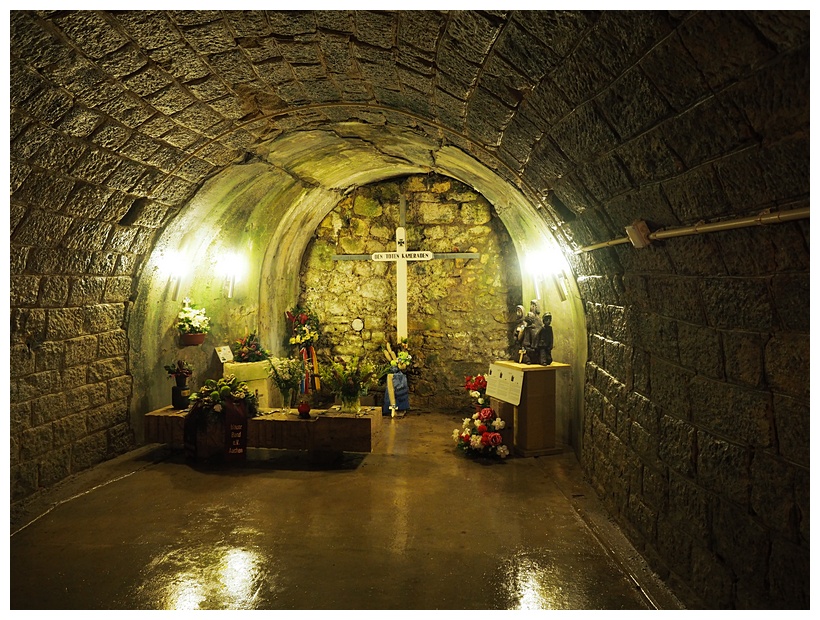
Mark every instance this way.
x=131 y=133
x=268 y=215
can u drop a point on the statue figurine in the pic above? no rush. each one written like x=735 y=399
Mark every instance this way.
x=530 y=338
x=519 y=314
x=545 y=341
x=527 y=333
x=518 y=334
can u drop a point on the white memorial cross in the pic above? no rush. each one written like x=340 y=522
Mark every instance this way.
x=400 y=257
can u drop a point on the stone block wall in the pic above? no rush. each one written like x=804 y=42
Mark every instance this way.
x=95 y=171
x=697 y=382
x=696 y=430
x=69 y=392
x=456 y=307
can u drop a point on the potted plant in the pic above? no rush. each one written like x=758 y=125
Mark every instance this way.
x=349 y=380
x=217 y=424
x=287 y=373
x=180 y=371
x=251 y=364
x=192 y=324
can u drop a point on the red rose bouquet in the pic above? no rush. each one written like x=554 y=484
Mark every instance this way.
x=480 y=436
x=477 y=387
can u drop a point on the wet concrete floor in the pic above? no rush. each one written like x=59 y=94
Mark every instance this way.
x=413 y=525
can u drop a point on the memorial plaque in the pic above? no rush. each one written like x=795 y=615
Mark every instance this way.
x=505 y=383
x=224 y=354
x=236 y=431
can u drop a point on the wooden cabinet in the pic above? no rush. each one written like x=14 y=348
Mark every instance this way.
x=527 y=393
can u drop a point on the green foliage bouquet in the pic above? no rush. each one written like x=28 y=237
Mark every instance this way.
x=249 y=349
x=213 y=396
x=349 y=380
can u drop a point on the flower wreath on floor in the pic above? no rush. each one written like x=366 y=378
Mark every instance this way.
x=480 y=436
x=394 y=375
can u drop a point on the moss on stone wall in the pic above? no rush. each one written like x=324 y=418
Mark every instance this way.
x=456 y=307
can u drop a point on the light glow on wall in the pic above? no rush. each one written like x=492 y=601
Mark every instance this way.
x=231 y=266
x=547 y=264
x=176 y=265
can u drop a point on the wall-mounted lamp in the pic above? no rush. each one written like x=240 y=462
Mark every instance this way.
x=231 y=267
x=177 y=268
x=547 y=264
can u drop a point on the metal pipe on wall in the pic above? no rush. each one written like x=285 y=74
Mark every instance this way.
x=702 y=227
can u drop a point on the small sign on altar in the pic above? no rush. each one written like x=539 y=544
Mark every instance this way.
x=224 y=353
x=505 y=383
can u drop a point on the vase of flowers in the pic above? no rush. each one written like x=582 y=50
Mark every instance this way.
x=216 y=425
x=480 y=435
x=180 y=393
x=349 y=380
x=192 y=324
x=287 y=373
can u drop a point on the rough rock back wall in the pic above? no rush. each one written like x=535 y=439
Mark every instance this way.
x=456 y=307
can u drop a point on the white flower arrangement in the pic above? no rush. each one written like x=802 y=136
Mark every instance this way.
x=287 y=372
x=192 y=320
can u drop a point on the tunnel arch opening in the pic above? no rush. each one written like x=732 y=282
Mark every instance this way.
x=267 y=210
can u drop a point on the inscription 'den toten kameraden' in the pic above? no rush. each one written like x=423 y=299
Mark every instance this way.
x=391 y=256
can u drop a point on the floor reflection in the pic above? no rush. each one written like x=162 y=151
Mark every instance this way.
x=531 y=583
x=221 y=577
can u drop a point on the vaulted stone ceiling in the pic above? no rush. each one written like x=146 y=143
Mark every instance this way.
x=578 y=109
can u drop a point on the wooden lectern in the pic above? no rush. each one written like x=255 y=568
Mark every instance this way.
x=527 y=394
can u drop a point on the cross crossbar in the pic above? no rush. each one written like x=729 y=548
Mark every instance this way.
x=400 y=257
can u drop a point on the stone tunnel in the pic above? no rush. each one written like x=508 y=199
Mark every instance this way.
x=659 y=159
